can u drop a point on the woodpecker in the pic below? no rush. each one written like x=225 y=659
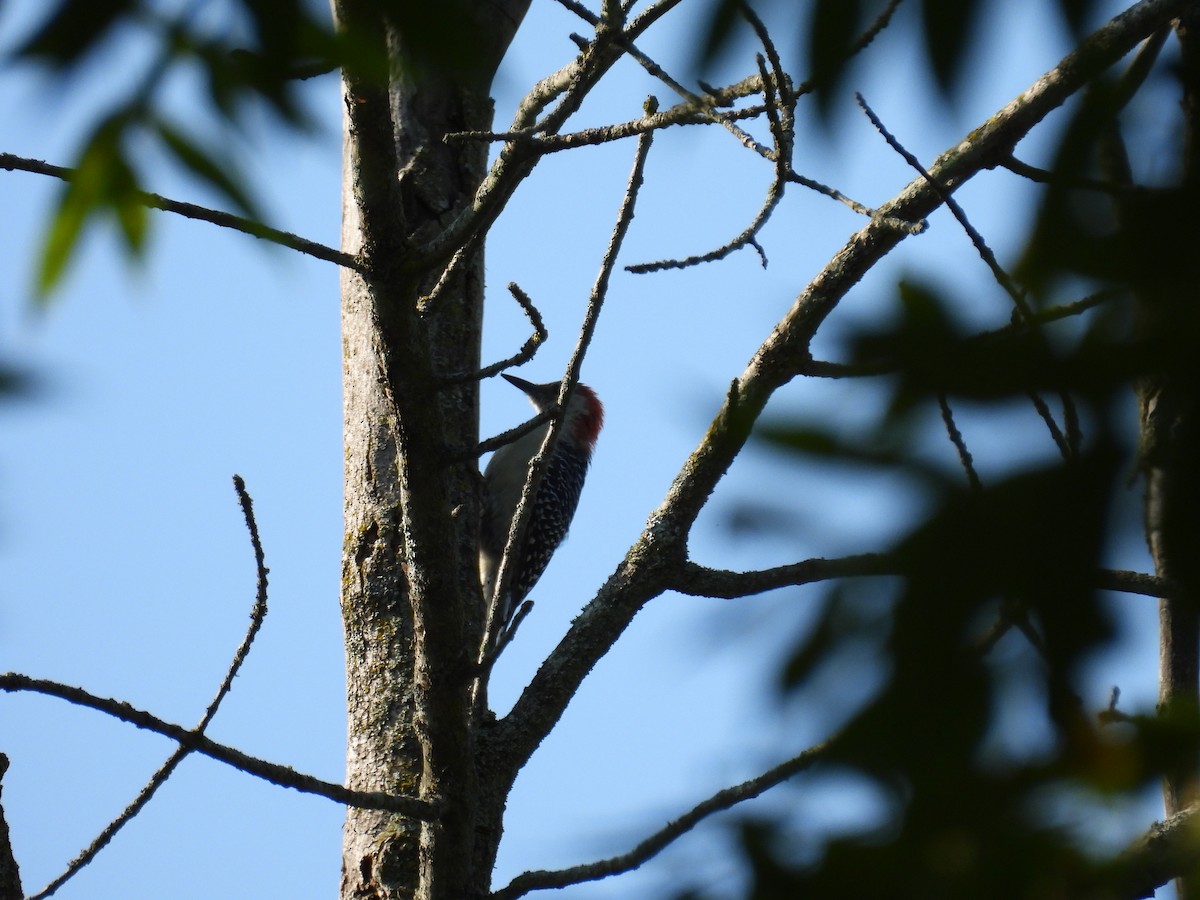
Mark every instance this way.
x=553 y=504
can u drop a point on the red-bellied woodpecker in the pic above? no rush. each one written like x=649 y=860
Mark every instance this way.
x=553 y=504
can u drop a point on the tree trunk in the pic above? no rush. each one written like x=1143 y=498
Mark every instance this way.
x=411 y=604
x=1169 y=401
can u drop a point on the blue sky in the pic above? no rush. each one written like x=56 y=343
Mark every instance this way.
x=125 y=560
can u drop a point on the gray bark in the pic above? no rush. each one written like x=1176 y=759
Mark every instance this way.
x=411 y=604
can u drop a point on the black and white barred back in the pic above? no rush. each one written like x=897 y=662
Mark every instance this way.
x=554 y=503
x=553 y=508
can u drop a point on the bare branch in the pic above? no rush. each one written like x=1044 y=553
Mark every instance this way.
x=1055 y=313
x=826 y=369
x=956 y=438
x=580 y=10
x=881 y=22
x=1126 y=582
x=835 y=194
x=1167 y=850
x=748 y=238
x=507 y=437
x=569 y=86
x=529 y=139
x=648 y=17
x=686 y=113
x=822 y=368
x=654 y=844
x=697 y=102
x=1064 y=444
x=525 y=354
x=861 y=43
x=492 y=654
x=464 y=254
x=223 y=219
x=701 y=581
x=780 y=108
x=12 y=682
x=985 y=252
x=1012 y=614
x=257 y=615
x=1044 y=176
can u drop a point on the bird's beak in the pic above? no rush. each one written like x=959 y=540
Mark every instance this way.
x=527 y=386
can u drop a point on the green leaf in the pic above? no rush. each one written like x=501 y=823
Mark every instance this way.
x=74 y=29
x=103 y=180
x=947 y=28
x=802 y=437
x=218 y=172
x=831 y=31
x=134 y=220
x=718 y=31
x=61 y=239
x=1076 y=13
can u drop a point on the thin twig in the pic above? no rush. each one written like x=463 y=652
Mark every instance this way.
x=223 y=219
x=818 y=368
x=465 y=252
x=492 y=654
x=701 y=105
x=283 y=776
x=1066 y=445
x=779 y=103
x=656 y=71
x=528 y=349
x=257 y=615
x=1054 y=314
x=686 y=113
x=985 y=252
x=566 y=90
x=860 y=43
x=580 y=10
x=1012 y=614
x=956 y=438
x=1045 y=176
x=672 y=831
x=529 y=138
x=699 y=102
x=881 y=22
x=1056 y=434
x=507 y=437
x=861 y=209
